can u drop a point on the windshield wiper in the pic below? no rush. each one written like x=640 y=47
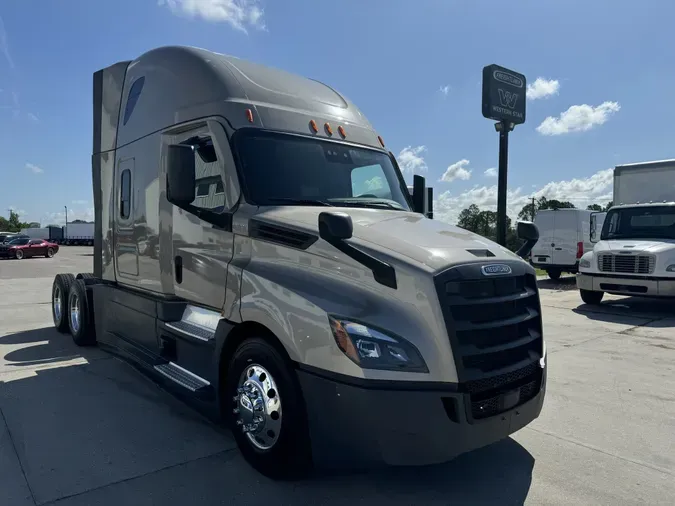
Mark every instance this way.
x=303 y=202
x=369 y=203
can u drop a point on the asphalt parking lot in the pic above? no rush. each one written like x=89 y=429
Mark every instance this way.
x=80 y=427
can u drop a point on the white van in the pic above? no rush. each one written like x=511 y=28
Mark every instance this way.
x=564 y=236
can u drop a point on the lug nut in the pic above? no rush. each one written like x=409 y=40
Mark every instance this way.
x=235 y=411
x=240 y=422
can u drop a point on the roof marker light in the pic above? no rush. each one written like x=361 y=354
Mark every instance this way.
x=313 y=126
x=249 y=115
x=329 y=130
x=342 y=131
x=381 y=140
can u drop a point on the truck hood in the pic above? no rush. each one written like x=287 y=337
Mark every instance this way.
x=431 y=242
x=637 y=245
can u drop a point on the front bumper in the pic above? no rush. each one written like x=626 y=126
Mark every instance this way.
x=626 y=285
x=365 y=425
x=7 y=253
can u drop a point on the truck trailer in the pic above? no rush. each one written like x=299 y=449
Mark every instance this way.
x=635 y=253
x=256 y=250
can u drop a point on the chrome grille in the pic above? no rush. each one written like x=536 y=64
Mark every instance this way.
x=626 y=263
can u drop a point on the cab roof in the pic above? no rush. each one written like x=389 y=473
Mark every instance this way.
x=173 y=84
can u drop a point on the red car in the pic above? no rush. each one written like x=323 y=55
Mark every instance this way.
x=25 y=248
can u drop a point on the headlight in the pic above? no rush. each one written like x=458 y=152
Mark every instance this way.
x=373 y=349
x=670 y=268
x=585 y=263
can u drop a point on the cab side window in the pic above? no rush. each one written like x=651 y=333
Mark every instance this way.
x=209 y=184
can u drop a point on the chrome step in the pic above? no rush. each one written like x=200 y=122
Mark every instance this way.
x=196 y=322
x=192 y=330
x=182 y=376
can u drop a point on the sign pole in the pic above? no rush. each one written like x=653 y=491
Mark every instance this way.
x=504 y=101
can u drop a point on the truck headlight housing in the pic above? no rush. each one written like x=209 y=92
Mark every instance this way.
x=370 y=348
x=585 y=263
x=670 y=268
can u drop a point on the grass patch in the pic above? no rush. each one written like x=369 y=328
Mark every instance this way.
x=540 y=272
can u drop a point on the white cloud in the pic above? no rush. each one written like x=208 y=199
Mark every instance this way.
x=445 y=89
x=542 y=88
x=578 y=118
x=411 y=161
x=4 y=46
x=86 y=214
x=240 y=14
x=34 y=168
x=375 y=183
x=457 y=170
x=491 y=172
x=33 y=117
x=596 y=188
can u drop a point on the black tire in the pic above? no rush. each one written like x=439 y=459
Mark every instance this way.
x=18 y=254
x=61 y=288
x=591 y=297
x=290 y=457
x=50 y=253
x=82 y=328
x=554 y=274
x=85 y=275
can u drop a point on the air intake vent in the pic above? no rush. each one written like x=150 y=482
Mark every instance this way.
x=481 y=252
x=280 y=235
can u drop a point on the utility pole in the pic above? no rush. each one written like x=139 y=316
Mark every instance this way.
x=503 y=127
x=533 y=208
x=65 y=232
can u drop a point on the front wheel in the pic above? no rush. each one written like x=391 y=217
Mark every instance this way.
x=50 y=252
x=591 y=297
x=263 y=403
x=18 y=254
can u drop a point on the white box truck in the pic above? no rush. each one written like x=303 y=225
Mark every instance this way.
x=79 y=234
x=564 y=236
x=635 y=249
x=297 y=292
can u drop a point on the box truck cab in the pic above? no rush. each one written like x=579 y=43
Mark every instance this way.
x=634 y=250
x=295 y=292
x=564 y=236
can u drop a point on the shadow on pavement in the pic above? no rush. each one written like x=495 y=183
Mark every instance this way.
x=661 y=312
x=101 y=433
x=53 y=347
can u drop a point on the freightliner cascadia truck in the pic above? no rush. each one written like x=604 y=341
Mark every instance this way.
x=258 y=253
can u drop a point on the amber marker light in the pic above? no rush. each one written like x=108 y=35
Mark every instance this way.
x=342 y=131
x=249 y=115
x=313 y=126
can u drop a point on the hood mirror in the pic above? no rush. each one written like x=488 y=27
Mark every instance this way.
x=528 y=232
x=335 y=226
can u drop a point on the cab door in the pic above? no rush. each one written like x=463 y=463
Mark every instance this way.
x=200 y=251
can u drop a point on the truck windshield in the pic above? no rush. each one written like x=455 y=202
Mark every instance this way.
x=653 y=222
x=289 y=170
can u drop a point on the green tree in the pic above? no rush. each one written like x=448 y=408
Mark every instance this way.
x=594 y=207
x=609 y=205
x=13 y=224
x=540 y=204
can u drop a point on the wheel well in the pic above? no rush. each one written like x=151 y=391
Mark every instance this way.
x=238 y=335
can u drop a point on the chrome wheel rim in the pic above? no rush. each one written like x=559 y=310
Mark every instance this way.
x=57 y=304
x=19 y=254
x=258 y=407
x=74 y=312
x=50 y=253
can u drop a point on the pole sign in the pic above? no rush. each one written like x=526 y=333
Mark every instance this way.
x=503 y=95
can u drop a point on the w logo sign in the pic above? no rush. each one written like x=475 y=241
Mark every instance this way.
x=507 y=98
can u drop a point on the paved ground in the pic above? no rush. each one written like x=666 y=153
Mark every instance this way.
x=82 y=428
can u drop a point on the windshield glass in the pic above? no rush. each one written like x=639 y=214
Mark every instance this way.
x=289 y=170
x=640 y=223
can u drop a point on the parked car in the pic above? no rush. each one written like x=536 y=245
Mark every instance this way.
x=26 y=247
x=6 y=237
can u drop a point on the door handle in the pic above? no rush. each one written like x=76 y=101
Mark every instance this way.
x=178 y=269
x=558 y=249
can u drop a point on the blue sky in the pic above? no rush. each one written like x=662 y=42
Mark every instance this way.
x=414 y=69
